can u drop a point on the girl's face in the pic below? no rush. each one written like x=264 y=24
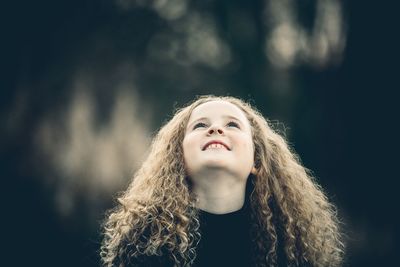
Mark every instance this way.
x=218 y=136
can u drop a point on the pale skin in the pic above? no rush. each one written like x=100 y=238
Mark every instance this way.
x=219 y=172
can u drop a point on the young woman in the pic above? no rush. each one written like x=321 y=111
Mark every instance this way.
x=221 y=188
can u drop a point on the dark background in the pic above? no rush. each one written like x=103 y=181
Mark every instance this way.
x=85 y=84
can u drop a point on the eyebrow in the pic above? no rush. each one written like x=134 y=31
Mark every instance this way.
x=224 y=116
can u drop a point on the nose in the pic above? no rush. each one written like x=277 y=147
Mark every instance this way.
x=215 y=129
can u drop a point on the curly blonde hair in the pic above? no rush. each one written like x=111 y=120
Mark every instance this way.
x=156 y=215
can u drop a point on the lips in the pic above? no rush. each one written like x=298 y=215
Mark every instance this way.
x=215 y=142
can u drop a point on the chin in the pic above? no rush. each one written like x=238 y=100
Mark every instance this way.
x=215 y=162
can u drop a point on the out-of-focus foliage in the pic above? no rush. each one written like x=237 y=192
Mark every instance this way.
x=95 y=130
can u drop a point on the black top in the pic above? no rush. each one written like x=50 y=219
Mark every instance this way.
x=225 y=241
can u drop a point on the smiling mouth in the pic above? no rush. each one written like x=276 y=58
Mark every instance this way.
x=215 y=146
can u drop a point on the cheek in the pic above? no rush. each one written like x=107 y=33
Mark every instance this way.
x=246 y=143
x=247 y=148
x=188 y=145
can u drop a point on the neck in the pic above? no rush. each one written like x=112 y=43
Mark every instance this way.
x=219 y=194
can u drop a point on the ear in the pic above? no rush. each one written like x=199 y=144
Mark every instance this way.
x=253 y=170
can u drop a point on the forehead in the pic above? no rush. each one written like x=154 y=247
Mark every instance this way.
x=218 y=108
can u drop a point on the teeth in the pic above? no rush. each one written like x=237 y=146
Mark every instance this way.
x=215 y=146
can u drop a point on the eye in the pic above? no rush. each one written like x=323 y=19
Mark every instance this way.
x=198 y=125
x=233 y=124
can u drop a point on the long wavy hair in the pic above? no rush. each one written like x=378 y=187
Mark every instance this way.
x=156 y=215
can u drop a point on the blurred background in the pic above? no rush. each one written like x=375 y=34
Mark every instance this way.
x=86 y=84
